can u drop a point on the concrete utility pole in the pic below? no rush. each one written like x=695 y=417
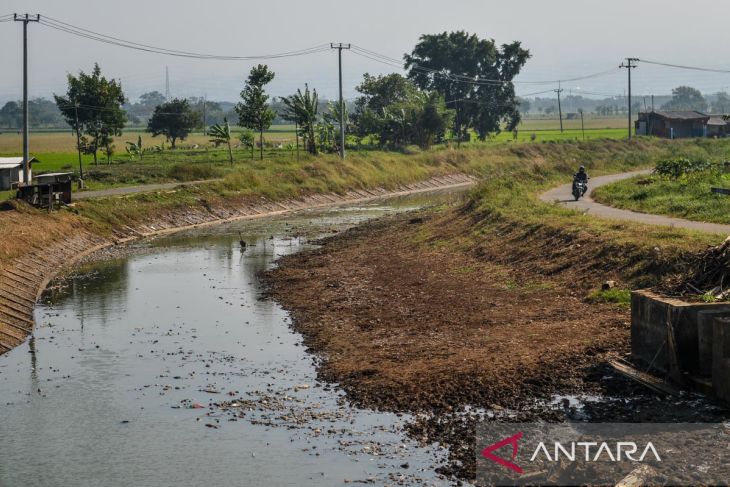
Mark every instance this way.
x=167 y=83
x=78 y=145
x=629 y=66
x=205 y=118
x=339 y=48
x=26 y=151
x=560 y=109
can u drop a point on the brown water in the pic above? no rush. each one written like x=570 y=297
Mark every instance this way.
x=170 y=367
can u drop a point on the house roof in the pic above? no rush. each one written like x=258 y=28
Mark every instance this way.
x=681 y=115
x=12 y=162
x=719 y=121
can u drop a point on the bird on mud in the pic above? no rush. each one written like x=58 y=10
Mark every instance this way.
x=241 y=242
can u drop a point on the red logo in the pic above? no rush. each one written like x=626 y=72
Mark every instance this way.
x=512 y=440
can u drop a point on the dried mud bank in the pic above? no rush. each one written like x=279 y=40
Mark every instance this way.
x=460 y=317
x=35 y=246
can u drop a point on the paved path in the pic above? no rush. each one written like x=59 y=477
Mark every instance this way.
x=125 y=190
x=562 y=194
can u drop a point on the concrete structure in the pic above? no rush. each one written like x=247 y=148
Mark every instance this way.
x=11 y=172
x=672 y=125
x=681 y=340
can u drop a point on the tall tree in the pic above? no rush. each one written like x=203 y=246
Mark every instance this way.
x=96 y=102
x=253 y=110
x=686 y=98
x=173 y=119
x=302 y=108
x=458 y=65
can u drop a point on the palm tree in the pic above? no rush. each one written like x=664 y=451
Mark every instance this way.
x=302 y=109
x=221 y=134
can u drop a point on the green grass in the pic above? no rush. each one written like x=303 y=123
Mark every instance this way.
x=621 y=297
x=687 y=197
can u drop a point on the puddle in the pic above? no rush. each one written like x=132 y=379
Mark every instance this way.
x=169 y=367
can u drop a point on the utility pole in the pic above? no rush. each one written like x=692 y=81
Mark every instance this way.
x=560 y=109
x=205 y=119
x=167 y=83
x=78 y=145
x=629 y=66
x=26 y=151
x=296 y=136
x=582 y=126
x=339 y=48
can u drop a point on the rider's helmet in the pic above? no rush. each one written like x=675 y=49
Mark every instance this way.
x=582 y=169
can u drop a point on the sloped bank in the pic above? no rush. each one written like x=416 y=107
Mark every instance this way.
x=35 y=246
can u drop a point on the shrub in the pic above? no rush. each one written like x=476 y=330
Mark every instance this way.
x=681 y=166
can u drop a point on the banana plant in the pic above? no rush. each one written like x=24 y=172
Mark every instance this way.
x=221 y=134
x=136 y=150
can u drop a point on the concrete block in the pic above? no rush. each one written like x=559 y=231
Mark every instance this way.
x=650 y=315
x=721 y=358
x=705 y=332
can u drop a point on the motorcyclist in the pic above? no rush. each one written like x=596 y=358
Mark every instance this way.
x=582 y=177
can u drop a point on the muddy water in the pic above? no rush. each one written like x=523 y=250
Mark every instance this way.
x=170 y=367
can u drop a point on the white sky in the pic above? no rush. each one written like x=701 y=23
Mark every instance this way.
x=567 y=38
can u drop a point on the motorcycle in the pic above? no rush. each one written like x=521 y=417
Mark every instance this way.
x=579 y=188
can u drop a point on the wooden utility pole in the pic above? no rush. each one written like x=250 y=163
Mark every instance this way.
x=629 y=66
x=26 y=150
x=339 y=48
x=560 y=109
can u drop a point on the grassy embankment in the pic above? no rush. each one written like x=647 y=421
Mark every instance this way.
x=687 y=197
x=196 y=158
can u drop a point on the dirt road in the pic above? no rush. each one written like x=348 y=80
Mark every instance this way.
x=562 y=194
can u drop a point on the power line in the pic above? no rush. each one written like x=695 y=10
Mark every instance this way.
x=107 y=39
x=474 y=80
x=679 y=66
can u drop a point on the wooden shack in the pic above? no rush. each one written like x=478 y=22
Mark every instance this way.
x=48 y=190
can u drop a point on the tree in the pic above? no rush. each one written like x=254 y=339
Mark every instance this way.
x=302 y=108
x=397 y=112
x=11 y=114
x=253 y=110
x=221 y=134
x=174 y=119
x=98 y=103
x=151 y=99
x=524 y=105
x=453 y=63
x=721 y=104
x=248 y=139
x=686 y=98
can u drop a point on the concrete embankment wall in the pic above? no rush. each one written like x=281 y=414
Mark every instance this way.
x=679 y=338
x=24 y=278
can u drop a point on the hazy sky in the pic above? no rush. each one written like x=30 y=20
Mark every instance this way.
x=567 y=38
